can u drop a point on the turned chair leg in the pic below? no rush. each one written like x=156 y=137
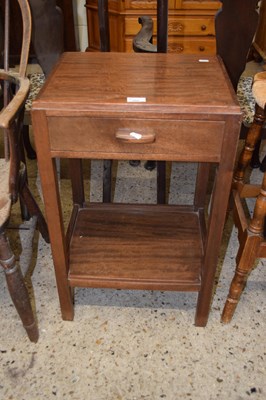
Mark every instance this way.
x=252 y=237
x=252 y=139
x=17 y=288
x=247 y=254
x=255 y=159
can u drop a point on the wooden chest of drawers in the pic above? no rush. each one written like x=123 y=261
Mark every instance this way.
x=190 y=27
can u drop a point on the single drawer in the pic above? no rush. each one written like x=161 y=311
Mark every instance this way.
x=147 y=4
x=177 y=26
x=199 y=5
x=156 y=139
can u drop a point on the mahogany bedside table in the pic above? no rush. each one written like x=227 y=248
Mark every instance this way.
x=136 y=107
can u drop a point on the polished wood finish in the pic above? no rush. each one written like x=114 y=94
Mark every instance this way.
x=235 y=25
x=158 y=251
x=190 y=26
x=251 y=231
x=75 y=100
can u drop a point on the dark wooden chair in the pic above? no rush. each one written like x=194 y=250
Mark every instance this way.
x=235 y=26
x=251 y=229
x=13 y=182
x=48 y=43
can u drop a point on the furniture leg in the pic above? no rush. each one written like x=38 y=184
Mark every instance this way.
x=220 y=197
x=31 y=154
x=17 y=288
x=200 y=195
x=105 y=46
x=161 y=182
x=247 y=254
x=76 y=176
x=162 y=25
x=104 y=25
x=162 y=33
x=23 y=208
x=250 y=143
x=201 y=185
x=34 y=209
x=107 y=181
x=47 y=167
x=255 y=159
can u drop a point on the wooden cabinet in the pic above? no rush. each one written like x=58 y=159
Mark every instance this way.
x=190 y=25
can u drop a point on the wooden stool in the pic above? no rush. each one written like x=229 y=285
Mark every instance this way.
x=250 y=233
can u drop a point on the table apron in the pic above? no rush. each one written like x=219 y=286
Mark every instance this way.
x=84 y=137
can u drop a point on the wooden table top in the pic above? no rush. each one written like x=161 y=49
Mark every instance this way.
x=158 y=83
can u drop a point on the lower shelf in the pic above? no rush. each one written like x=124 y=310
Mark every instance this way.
x=135 y=247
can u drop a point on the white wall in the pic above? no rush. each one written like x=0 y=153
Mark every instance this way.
x=81 y=23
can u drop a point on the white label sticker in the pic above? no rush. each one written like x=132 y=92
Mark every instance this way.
x=136 y=99
x=203 y=60
x=136 y=135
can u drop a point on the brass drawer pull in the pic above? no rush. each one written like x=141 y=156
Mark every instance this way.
x=132 y=136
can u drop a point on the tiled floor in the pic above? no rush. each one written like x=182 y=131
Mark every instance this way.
x=131 y=345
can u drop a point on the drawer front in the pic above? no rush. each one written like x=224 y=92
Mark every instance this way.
x=179 y=26
x=184 y=45
x=146 y=4
x=198 y=5
x=173 y=139
x=194 y=45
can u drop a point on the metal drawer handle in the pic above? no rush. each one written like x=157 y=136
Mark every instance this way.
x=132 y=136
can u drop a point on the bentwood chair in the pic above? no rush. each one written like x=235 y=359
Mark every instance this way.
x=251 y=230
x=13 y=182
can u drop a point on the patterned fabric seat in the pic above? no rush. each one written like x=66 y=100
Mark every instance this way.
x=246 y=99
x=37 y=80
